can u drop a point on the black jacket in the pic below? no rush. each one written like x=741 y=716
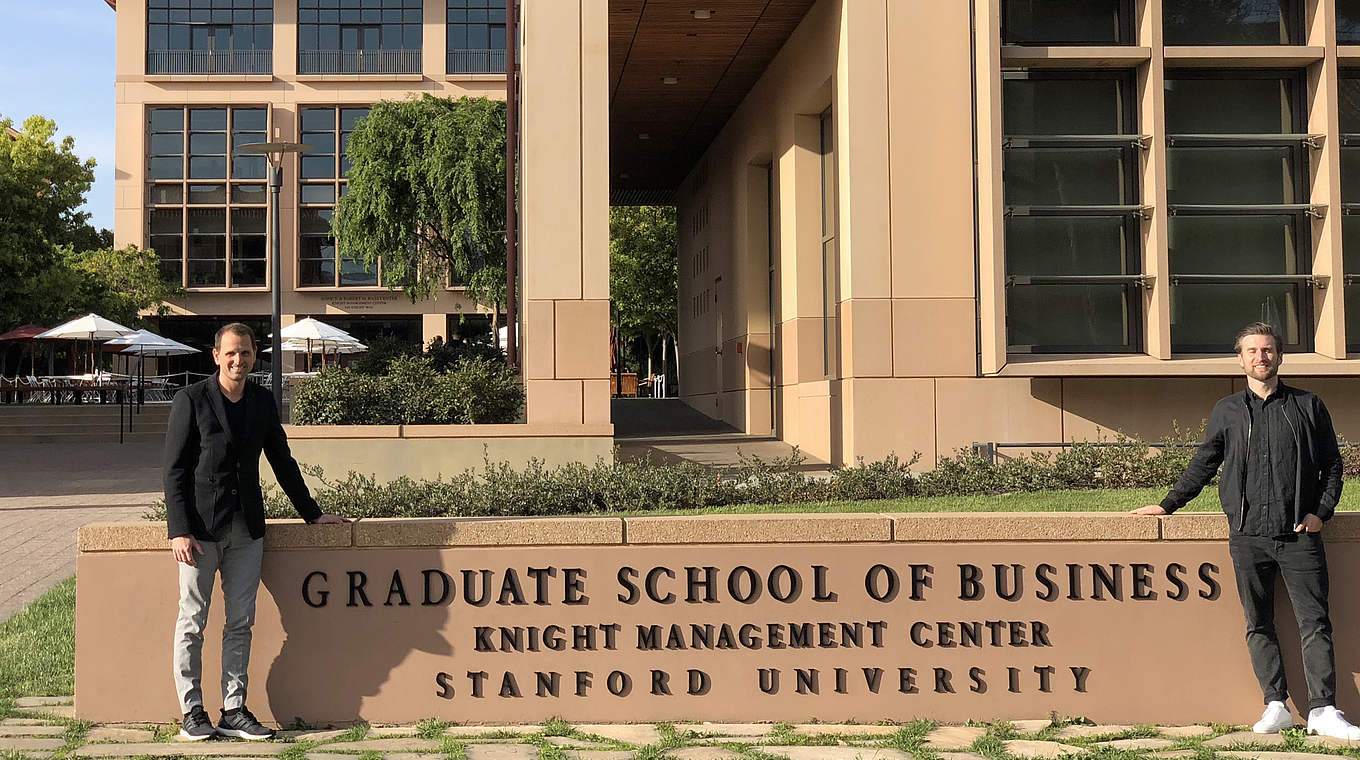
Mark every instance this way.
x=1317 y=468
x=206 y=469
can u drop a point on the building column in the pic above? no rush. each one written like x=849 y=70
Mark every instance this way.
x=564 y=186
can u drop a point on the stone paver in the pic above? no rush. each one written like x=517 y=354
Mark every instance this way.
x=1139 y=744
x=313 y=735
x=638 y=734
x=1184 y=732
x=1331 y=741
x=29 y=743
x=194 y=749
x=379 y=732
x=1039 y=749
x=1031 y=726
x=52 y=489
x=1265 y=755
x=1174 y=754
x=608 y=754
x=702 y=753
x=1085 y=732
x=59 y=711
x=954 y=737
x=409 y=744
x=43 y=701
x=961 y=756
x=22 y=722
x=473 y=731
x=502 y=752
x=328 y=756
x=1246 y=737
x=112 y=734
x=32 y=730
x=728 y=729
x=836 y=753
x=840 y=729
x=567 y=741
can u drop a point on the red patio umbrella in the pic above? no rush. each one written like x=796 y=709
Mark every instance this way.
x=27 y=333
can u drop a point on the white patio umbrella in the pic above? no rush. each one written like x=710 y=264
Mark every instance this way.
x=91 y=327
x=144 y=343
x=314 y=329
x=311 y=345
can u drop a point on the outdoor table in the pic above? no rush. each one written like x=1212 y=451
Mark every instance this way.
x=80 y=389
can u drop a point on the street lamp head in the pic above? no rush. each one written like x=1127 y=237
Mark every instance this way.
x=275 y=150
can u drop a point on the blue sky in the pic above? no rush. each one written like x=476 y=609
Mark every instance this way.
x=56 y=59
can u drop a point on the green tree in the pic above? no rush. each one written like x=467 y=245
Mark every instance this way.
x=43 y=184
x=643 y=275
x=427 y=195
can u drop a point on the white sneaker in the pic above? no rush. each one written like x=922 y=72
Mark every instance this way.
x=1329 y=721
x=1275 y=719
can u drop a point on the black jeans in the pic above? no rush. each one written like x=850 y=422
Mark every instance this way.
x=1301 y=560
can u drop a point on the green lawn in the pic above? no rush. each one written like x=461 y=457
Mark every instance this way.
x=38 y=647
x=1120 y=500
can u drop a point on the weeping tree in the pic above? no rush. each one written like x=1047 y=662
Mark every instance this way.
x=427 y=195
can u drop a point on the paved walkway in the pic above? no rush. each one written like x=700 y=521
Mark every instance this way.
x=49 y=730
x=47 y=491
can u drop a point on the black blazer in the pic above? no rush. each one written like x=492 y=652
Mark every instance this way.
x=1317 y=468
x=206 y=469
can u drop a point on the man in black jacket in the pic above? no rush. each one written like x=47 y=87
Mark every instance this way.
x=1281 y=480
x=215 y=512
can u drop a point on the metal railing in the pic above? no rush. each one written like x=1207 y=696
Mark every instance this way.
x=209 y=61
x=359 y=62
x=476 y=61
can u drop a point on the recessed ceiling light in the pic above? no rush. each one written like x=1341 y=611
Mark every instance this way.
x=702 y=14
x=670 y=80
x=644 y=135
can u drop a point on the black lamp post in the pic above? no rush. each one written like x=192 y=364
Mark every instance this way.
x=274 y=151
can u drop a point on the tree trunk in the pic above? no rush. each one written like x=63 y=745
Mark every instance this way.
x=665 y=364
x=650 y=340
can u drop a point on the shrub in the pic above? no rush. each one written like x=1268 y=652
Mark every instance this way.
x=412 y=392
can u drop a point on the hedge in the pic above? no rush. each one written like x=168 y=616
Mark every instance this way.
x=412 y=392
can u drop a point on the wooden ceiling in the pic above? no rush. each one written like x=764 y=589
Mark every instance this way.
x=657 y=131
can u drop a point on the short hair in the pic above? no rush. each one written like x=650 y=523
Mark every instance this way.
x=1258 y=328
x=239 y=329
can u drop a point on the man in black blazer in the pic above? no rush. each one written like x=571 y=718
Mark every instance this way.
x=215 y=513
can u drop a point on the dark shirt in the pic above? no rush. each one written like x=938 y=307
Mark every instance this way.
x=1272 y=453
x=236 y=421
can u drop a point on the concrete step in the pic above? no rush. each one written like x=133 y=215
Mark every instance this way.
x=136 y=437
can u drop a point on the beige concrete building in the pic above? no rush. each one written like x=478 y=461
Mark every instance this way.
x=904 y=225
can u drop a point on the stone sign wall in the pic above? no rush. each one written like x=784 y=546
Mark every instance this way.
x=833 y=618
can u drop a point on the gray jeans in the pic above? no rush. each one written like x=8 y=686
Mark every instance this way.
x=237 y=558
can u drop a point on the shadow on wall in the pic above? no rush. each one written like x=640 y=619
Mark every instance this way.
x=326 y=601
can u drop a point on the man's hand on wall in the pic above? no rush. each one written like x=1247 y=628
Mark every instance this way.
x=184 y=548
x=1151 y=509
x=1310 y=524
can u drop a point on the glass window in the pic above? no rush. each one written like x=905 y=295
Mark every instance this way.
x=210 y=37
x=1065 y=22
x=1226 y=104
x=1070 y=106
x=1069 y=318
x=1350 y=190
x=190 y=227
x=360 y=37
x=1238 y=238
x=1348 y=22
x=476 y=36
x=1232 y=22
x=1072 y=223
x=328 y=131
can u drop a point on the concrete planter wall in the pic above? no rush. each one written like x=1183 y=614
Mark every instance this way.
x=427 y=451
x=737 y=617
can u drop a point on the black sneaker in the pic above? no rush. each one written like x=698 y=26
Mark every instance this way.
x=196 y=726
x=242 y=725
